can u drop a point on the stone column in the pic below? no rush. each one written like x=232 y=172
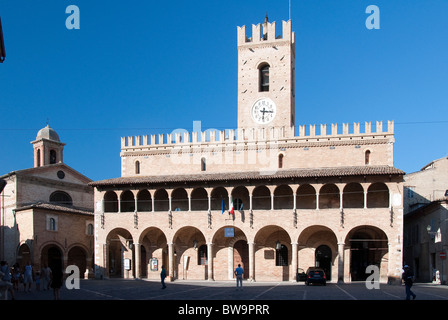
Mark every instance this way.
x=210 y=261
x=251 y=246
x=294 y=261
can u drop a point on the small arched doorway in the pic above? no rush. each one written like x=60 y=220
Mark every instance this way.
x=323 y=259
x=52 y=257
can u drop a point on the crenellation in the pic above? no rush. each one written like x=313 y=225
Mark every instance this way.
x=257 y=134
x=266 y=32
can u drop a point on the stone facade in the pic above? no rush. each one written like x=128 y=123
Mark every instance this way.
x=47 y=211
x=425 y=214
x=325 y=196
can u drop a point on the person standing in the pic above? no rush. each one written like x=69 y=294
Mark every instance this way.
x=7 y=277
x=239 y=277
x=46 y=277
x=28 y=276
x=163 y=276
x=408 y=279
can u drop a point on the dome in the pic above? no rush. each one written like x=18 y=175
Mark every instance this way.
x=47 y=133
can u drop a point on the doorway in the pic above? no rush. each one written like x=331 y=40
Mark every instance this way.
x=323 y=259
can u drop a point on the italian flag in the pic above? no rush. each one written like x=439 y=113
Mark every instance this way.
x=231 y=206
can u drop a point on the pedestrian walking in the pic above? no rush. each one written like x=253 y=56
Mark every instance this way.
x=163 y=276
x=46 y=277
x=28 y=276
x=408 y=280
x=7 y=277
x=56 y=281
x=239 y=277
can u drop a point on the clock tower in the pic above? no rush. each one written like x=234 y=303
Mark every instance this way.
x=266 y=76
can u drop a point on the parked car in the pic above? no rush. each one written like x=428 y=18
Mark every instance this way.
x=301 y=275
x=315 y=275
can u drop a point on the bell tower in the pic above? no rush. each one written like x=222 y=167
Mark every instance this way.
x=266 y=67
x=48 y=149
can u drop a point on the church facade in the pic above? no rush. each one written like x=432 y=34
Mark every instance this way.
x=47 y=211
x=267 y=195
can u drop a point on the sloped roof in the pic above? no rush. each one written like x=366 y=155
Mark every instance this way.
x=254 y=175
x=55 y=207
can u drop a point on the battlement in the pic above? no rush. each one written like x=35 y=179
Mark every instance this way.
x=266 y=32
x=306 y=133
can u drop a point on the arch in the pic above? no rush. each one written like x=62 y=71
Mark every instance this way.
x=310 y=239
x=378 y=195
x=186 y=241
x=240 y=196
x=368 y=246
x=367 y=157
x=283 y=197
x=61 y=197
x=280 y=160
x=229 y=251
x=127 y=201
x=110 y=202
x=353 y=196
x=121 y=246
x=38 y=163
x=153 y=243
x=161 y=201
x=144 y=201
x=52 y=256
x=77 y=256
x=273 y=251
x=179 y=200
x=199 y=200
x=263 y=77
x=53 y=157
x=329 y=197
x=261 y=198
x=24 y=254
x=306 y=197
x=219 y=199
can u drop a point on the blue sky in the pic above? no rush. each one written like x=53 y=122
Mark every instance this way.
x=144 y=67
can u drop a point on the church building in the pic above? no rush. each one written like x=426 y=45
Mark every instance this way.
x=47 y=211
x=268 y=195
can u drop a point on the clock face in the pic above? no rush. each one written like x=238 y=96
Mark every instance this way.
x=263 y=111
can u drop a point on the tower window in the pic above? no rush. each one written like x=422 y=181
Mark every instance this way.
x=52 y=156
x=203 y=164
x=264 y=77
x=137 y=167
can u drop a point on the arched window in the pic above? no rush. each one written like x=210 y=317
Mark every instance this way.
x=38 y=158
x=281 y=256
x=367 y=157
x=61 y=197
x=264 y=77
x=203 y=164
x=90 y=229
x=137 y=167
x=280 y=161
x=52 y=156
x=202 y=255
x=52 y=224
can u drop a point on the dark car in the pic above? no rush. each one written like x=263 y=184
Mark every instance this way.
x=315 y=275
x=301 y=275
